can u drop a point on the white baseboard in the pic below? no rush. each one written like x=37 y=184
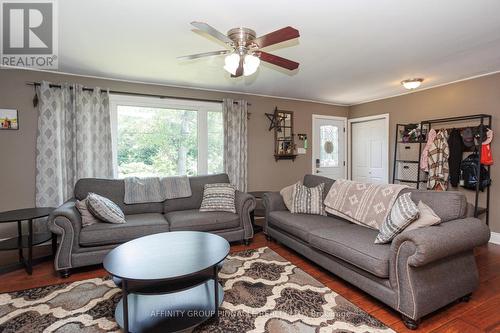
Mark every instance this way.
x=495 y=238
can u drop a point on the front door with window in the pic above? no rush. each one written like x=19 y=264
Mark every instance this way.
x=329 y=147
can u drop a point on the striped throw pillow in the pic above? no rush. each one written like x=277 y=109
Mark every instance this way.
x=218 y=197
x=308 y=200
x=104 y=209
x=403 y=212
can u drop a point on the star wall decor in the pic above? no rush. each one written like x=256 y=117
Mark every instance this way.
x=273 y=119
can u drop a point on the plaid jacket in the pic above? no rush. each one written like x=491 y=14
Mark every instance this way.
x=439 y=172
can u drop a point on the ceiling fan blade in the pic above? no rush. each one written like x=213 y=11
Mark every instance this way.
x=277 y=36
x=278 y=61
x=201 y=55
x=239 y=70
x=212 y=31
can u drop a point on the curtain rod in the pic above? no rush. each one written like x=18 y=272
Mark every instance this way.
x=139 y=94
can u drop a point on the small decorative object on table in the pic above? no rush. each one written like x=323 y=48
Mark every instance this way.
x=26 y=241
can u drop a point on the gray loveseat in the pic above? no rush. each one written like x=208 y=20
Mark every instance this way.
x=87 y=246
x=419 y=272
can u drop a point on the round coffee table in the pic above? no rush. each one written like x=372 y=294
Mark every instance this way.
x=169 y=280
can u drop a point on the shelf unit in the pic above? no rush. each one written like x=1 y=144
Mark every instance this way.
x=410 y=161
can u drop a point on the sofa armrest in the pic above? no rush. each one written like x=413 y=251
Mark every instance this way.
x=272 y=201
x=245 y=204
x=443 y=240
x=66 y=222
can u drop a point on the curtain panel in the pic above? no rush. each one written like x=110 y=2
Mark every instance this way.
x=73 y=140
x=235 y=118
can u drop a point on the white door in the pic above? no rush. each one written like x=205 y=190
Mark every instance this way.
x=328 y=147
x=370 y=151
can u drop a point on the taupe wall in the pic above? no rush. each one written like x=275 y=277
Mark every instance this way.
x=17 y=148
x=481 y=95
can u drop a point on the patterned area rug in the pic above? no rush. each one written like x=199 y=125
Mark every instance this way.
x=263 y=293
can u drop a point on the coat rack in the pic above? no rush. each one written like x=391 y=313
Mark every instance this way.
x=426 y=125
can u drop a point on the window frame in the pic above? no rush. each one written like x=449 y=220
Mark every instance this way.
x=201 y=107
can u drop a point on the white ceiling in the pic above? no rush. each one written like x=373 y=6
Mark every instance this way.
x=349 y=51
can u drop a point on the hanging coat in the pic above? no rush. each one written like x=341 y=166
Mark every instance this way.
x=486 y=157
x=438 y=163
x=424 y=160
x=456 y=147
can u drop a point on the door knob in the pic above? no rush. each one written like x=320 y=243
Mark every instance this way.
x=317 y=171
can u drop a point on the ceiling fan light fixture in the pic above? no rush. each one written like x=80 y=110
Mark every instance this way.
x=231 y=63
x=250 y=64
x=411 y=84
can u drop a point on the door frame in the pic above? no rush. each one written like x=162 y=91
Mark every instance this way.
x=349 y=139
x=313 y=146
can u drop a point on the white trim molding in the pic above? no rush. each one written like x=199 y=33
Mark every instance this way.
x=495 y=238
x=320 y=116
x=349 y=139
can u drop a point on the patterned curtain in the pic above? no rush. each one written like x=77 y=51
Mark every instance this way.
x=235 y=115
x=73 y=140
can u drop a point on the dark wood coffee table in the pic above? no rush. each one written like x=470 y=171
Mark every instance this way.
x=169 y=280
x=26 y=241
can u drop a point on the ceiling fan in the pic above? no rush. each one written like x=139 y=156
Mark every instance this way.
x=244 y=53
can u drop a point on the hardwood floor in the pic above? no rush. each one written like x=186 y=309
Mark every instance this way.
x=480 y=314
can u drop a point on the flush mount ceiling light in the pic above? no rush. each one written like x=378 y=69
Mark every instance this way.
x=411 y=84
x=244 y=49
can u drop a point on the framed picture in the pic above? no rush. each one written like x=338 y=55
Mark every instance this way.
x=9 y=119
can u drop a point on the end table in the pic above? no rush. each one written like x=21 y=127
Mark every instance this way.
x=259 y=211
x=31 y=239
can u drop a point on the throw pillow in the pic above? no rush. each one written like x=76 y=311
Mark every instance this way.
x=308 y=200
x=218 y=197
x=87 y=217
x=287 y=194
x=104 y=209
x=403 y=212
x=426 y=218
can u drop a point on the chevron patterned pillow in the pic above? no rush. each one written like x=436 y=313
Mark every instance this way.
x=403 y=212
x=218 y=197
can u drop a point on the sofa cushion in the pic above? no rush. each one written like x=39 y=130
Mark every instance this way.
x=136 y=225
x=314 y=180
x=114 y=189
x=448 y=205
x=197 y=185
x=299 y=225
x=354 y=244
x=195 y=220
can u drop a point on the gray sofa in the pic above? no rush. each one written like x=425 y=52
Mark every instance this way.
x=419 y=272
x=87 y=246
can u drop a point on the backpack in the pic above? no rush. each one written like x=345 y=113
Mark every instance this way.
x=469 y=173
